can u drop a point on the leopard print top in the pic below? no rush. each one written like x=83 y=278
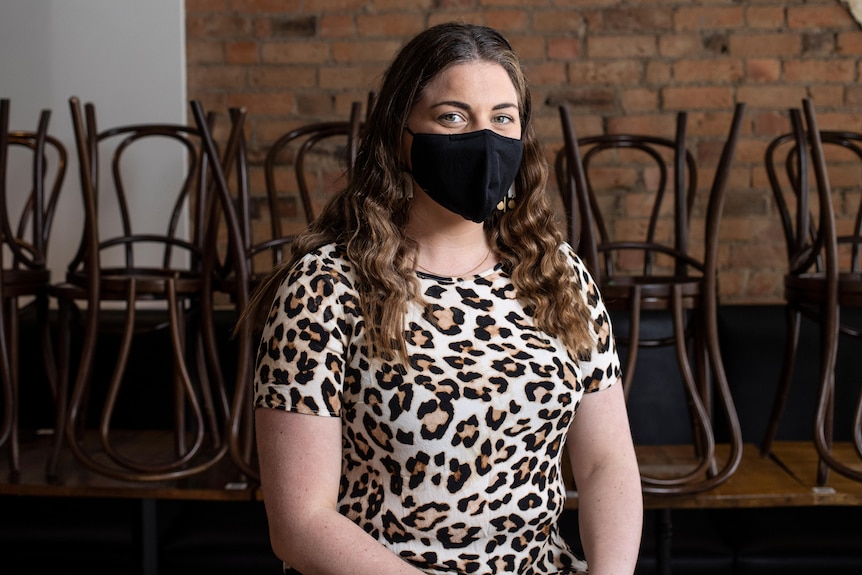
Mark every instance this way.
x=452 y=462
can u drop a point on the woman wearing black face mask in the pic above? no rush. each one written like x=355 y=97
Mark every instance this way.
x=430 y=342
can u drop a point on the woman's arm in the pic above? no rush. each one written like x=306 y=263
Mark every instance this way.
x=610 y=500
x=300 y=465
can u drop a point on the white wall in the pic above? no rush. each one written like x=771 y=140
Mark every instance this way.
x=125 y=56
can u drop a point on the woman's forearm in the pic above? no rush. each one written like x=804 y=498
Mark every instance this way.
x=605 y=468
x=610 y=514
x=300 y=464
x=329 y=543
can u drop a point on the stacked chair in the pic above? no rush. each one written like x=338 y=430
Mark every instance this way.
x=24 y=274
x=822 y=227
x=648 y=267
x=127 y=282
x=308 y=162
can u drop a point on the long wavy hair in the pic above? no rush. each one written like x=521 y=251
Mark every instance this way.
x=368 y=217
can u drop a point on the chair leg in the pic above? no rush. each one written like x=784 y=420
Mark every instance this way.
x=701 y=425
x=10 y=408
x=13 y=349
x=62 y=394
x=791 y=346
x=826 y=402
x=697 y=327
x=633 y=339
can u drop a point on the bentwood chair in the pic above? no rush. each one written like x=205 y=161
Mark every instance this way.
x=147 y=279
x=27 y=208
x=644 y=264
x=823 y=232
x=304 y=165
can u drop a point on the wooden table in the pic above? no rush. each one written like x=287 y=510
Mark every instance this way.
x=785 y=479
x=222 y=482
x=799 y=458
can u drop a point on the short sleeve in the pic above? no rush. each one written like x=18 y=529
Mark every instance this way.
x=601 y=368
x=302 y=355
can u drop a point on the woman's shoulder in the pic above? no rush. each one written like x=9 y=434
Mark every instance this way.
x=328 y=261
x=571 y=255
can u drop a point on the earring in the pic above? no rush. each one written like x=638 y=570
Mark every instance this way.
x=508 y=202
x=407 y=185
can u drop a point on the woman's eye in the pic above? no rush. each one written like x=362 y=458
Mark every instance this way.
x=503 y=120
x=451 y=117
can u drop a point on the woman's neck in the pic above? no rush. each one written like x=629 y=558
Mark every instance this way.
x=448 y=244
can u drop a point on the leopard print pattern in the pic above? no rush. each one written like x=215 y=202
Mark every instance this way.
x=453 y=461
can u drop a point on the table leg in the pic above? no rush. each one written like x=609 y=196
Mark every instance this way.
x=148 y=539
x=664 y=534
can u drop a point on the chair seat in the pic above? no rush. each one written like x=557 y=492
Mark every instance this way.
x=811 y=288
x=655 y=291
x=151 y=283
x=18 y=282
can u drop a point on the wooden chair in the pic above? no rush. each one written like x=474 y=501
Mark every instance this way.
x=646 y=266
x=24 y=272
x=306 y=163
x=139 y=279
x=823 y=231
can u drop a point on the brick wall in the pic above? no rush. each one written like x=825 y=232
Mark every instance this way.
x=621 y=65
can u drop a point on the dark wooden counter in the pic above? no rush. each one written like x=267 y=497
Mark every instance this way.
x=785 y=479
x=222 y=482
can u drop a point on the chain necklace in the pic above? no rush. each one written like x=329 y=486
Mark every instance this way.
x=460 y=275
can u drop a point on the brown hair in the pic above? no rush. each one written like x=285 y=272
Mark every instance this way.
x=369 y=215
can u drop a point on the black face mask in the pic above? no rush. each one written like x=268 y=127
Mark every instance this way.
x=468 y=174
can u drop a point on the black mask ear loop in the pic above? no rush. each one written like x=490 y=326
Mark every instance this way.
x=405 y=167
x=407 y=174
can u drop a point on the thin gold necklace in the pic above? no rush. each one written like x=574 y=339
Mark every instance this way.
x=460 y=275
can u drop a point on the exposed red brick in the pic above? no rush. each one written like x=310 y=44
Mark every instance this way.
x=697 y=97
x=826 y=71
x=268 y=6
x=398 y=24
x=337 y=26
x=242 y=52
x=679 y=45
x=762 y=70
x=832 y=15
x=507 y=20
x=761 y=45
x=631 y=46
x=699 y=18
x=727 y=70
x=620 y=66
x=564 y=48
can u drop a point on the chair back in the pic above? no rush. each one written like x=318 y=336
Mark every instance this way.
x=142 y=218
x=605 y=203
x=26 y=235
x=808 y=213
x=629 y=201
x=307 y=163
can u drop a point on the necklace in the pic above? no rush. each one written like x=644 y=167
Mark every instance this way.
x=463 y=274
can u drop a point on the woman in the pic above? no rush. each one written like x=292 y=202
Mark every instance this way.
x=430 y=341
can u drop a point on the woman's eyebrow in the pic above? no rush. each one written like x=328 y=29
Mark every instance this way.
x=465 y=106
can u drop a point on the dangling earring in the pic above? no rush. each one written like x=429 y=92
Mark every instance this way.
x=508 y=202
x=407 y=186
